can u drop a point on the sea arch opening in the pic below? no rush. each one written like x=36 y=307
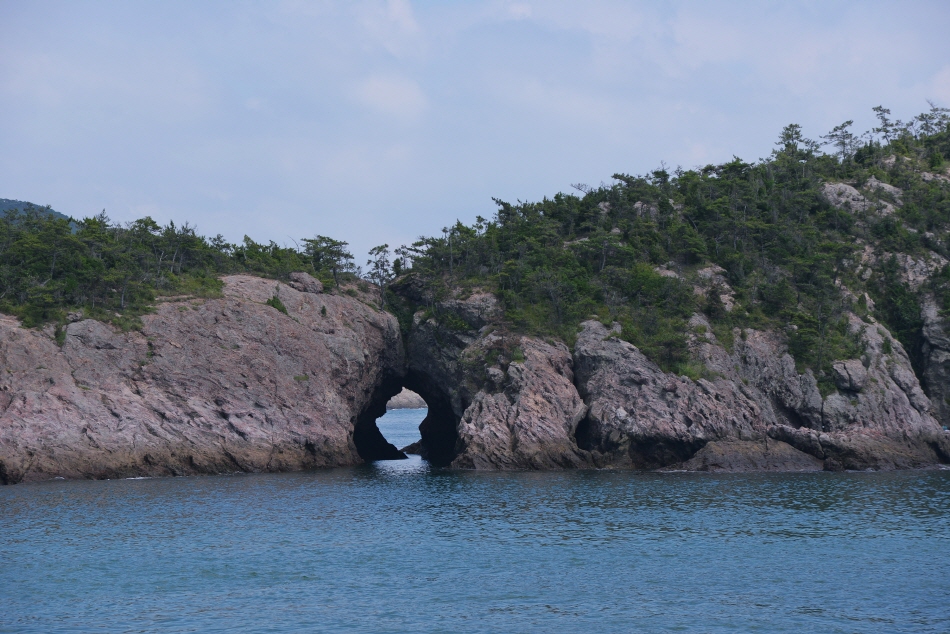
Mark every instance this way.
x=438 y=429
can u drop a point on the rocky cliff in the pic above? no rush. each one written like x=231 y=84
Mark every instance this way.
x=496 y=400
x=511 y=401
x=206 y=386
x=754 y=408
x=234 y=384
x=936 y=358
x=917 y=272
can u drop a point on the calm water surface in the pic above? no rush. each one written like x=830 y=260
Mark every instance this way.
x=397 y=547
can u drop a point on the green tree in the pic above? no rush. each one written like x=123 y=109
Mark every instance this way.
x=380 y=269
x=327 y=254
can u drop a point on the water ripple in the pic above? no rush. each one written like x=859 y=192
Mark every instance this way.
x=397 y=546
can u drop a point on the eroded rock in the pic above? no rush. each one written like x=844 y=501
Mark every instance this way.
x=207 y=386
x=496 y=400
x=850 y=375
x=641 y=417
x=844 y=196
x=232 y=384
x=745 y=456
x=936 y=359
x=874 y=184
x=305 y=283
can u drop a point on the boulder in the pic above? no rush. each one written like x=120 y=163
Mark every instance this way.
x=844 y=196
x=406 y=399
x=744 y=456
x=305 y=283
x=874 y=184
x=850 y=375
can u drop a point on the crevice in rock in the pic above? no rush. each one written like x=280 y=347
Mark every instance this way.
x=658 y=453
x=584 y=434
x=942 y=451
x=439 y=429
x=795 y=421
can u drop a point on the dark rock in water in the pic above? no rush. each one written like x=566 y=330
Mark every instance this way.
x=407 y=399
x=736 y=456
x=414 y=449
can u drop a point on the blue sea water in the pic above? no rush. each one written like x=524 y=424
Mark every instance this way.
x=399 y=547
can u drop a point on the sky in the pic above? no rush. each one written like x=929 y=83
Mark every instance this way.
x=380 y=121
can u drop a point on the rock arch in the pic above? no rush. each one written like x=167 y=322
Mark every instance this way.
x=439 y=429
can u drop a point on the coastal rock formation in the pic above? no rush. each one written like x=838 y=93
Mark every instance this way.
x=517 y=402
x=642 y=417
x=496 y=400
x=936 y=359
x=207 y=386
x=406 y=399
x=234 y=384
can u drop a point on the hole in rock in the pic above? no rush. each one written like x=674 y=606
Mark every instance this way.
x=400 y=424
x=407 y=417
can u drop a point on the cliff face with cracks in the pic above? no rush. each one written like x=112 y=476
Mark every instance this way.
x=497 y=400
x=232 y=384
x=511 y=401
x=757 y=413
x=207 y=386
x=936 y=357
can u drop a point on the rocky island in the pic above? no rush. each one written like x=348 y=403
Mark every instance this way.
x=790 y=315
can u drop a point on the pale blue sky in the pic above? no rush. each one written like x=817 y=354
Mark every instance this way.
x=379 y=121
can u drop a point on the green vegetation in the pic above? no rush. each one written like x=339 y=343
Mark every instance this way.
x=19 y=206
x=749 y=245
x=51 y=265
x=275 y=302
x=760 y=234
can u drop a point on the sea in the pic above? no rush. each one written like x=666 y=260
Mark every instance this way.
x=398 y=546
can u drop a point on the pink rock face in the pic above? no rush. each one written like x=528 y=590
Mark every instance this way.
x=642 y=417
x=497 y=400
x=207 y=386
x=528 y=420
x=232 y=384
x=305 y=283
x=936 y=349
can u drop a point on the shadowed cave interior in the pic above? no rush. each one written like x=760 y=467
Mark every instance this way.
x=438 y=430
